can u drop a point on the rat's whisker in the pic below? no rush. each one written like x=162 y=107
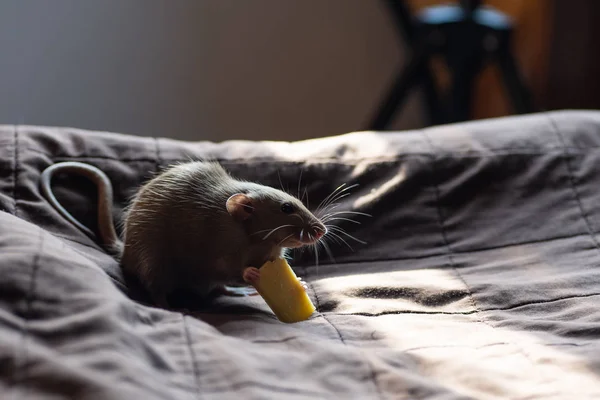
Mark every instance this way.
x=316 y=257
x=332 y=206
x=285 y=238
x=340 y=230
x=318 y=228
x=328 y=251
x=300 y=181
x=324 y=220
x=329 y=209
x=341 y=239
x=301 y=234
x=298 y=251
x=261 y=231
x=280 y=182
x=342 y=194
x=279 y=227
x=323 y=204
x=333 y=197
x=332 y=238
x=329 y=196
x=306 y=193
x=308 y=248
x=346 y=212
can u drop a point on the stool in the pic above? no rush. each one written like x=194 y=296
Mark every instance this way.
x=467 y=36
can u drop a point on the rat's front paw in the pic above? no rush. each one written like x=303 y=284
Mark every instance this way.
x=251 y=276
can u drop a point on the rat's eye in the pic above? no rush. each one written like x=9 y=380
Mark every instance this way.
x=287 y=208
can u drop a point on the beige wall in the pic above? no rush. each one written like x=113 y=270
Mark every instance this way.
x=198 y=69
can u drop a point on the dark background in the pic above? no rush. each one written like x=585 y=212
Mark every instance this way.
x=260 y=69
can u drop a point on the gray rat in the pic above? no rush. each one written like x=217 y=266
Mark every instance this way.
x=195 y=227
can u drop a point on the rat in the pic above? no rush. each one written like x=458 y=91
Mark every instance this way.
x=195 y=227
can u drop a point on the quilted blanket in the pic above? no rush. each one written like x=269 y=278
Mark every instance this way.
x=479 y=276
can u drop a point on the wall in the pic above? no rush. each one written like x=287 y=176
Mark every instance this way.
x=574 y=62
x=198 y=70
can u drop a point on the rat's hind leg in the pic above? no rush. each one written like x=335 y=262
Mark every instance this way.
x=158 y=295
x=159 y=285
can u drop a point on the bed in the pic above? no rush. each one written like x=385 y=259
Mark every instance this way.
x=479 y=278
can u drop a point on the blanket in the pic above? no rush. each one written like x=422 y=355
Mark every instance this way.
x=477 y=275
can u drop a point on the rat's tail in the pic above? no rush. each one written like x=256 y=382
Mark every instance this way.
x=108 y=236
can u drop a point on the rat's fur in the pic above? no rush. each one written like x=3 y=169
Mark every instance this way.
x=193 y=226
x=178 y=231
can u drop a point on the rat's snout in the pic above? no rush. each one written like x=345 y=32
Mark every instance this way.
x=317 y=233
x=318 y=230
x=311 y=233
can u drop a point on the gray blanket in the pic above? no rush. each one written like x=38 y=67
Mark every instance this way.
x=480 y=277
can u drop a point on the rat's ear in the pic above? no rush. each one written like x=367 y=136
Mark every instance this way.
x=240 y=206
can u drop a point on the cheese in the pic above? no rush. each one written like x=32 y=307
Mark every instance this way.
x=282 y=291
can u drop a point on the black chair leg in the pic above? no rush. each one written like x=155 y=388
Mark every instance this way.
x=514 y=83
x=406 y=29
x=464 y=73
x=464 y=58
x=432 y=97
x=405 y=80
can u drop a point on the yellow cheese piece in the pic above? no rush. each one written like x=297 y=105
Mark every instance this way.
x=282 y=291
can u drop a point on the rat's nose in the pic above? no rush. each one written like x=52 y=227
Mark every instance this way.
x=318 y=231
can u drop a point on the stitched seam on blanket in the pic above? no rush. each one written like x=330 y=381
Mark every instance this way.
x=372 y=374
x=15 y=169
x=331 y=160
x=20 y=378
x=573 y=183
x=282 y=340
x=483 y=346
x=194 y=362
x=262 y=385
x=528 y=303
x=438 y=206
x=425 y=312
x=476 y=314
x=318 y=306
